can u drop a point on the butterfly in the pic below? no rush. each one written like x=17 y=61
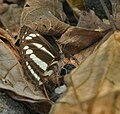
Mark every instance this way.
x=38 y=55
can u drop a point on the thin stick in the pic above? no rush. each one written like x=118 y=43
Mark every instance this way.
x=46 y=94
x=114 y=7
x=108 y=15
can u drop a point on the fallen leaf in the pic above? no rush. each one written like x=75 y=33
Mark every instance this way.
x=77 y=6
x=46 y=20
x=4 y=34
x=89 y=20
x=13 y=81
x=11 y=19
x=3 y=7
x=94 y=86
x=76 y=3
x=76 y=39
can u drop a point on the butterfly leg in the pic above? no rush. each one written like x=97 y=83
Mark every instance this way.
x=58 y=71
x=45 y=92
x=42 y=85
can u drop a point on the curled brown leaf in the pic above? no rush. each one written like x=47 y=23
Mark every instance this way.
x=93 y=87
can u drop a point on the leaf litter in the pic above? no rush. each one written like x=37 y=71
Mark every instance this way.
x=90 y=86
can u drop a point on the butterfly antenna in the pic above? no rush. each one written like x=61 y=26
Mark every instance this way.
x=112 y=23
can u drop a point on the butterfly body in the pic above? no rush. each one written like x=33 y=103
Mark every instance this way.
x=38 y=56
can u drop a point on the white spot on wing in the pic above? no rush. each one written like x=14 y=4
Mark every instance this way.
x=35 y=75
x=39 y=62
x=37 y=34
x=44 y=49
x=26 y=47
x=26 y=63
x=23 y=37
x=48 y=73
x=28 y=38
x=26 y=32
x=37 y=45
x=29 y=51
x=29 y=67
x=32 y=35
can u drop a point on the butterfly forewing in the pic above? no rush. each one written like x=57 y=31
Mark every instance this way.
x=37 y=54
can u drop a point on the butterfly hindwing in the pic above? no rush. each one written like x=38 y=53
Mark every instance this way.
x=36 y=53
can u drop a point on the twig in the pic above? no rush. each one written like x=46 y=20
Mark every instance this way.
x=114 y=8
x=108 y=15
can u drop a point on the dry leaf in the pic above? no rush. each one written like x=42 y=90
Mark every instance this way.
x=89 y=20
x=11 y=74
x=76 y=3
x=11 y=19
x=3 y=7
x=76 y=38
x=97 y=7
x=94 y=86
x=47 y=17
x=14 y=82
x=12 y=1
x=85 y=53
x=4 y=34
x=77 y=6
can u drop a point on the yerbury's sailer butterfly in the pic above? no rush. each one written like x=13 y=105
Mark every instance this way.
x=37 y=54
